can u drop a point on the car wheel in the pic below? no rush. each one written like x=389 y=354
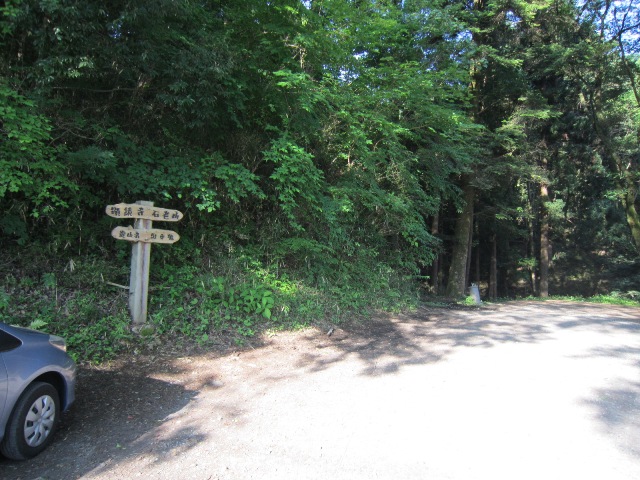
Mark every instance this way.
x=33 y=422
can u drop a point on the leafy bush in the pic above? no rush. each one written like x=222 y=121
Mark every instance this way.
x=200 y=303
x=197 y=295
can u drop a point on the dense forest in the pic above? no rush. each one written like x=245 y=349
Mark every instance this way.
x=329 y=156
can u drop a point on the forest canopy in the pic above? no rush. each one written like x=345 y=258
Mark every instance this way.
x=350 y=145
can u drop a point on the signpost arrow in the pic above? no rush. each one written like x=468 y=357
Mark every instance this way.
x=152 y=235
x=148 y=212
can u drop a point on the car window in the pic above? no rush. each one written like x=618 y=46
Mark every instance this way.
x=8 y=342
x=3 y=382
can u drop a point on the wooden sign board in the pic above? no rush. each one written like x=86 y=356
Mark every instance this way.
x=136 y=211
x=142 y=236
x=152 y=235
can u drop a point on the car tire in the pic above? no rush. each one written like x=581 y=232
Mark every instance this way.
x=34 y=420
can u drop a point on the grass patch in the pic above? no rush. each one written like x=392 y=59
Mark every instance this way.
x=630 y=299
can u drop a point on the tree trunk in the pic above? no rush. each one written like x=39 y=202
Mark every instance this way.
x=493 y=271
x=631 y=189
x=456 y=284
x=544 y=242
x=531 y=254
x=633 y=219
x=476 y=275
x=627 y=185
x=478 y=257
x=625 y=169
x=435 y=266
x=467 y=275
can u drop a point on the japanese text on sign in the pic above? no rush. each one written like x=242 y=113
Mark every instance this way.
x=124 y=210
x=153 y=235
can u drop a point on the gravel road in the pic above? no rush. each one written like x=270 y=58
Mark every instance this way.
x=522 y=390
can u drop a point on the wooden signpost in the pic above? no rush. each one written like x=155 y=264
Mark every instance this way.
x=142 y=235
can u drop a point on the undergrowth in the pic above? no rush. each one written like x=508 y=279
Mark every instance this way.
x=201 y=300
x=197 y=299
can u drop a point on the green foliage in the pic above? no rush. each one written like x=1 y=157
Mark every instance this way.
x=196 y=305
x=310 y=146
x=469 y=301
x=238 y=182
x=296 y=179
x=245 y=109
x=32 y=179
x=242 y=299
x=4 y=304
x=38 y=324
x=630 y=298
x=97 y=340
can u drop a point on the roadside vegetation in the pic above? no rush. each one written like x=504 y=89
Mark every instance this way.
x=218 y=300
x=331 y=158
x=629 y=299
x=201 y=303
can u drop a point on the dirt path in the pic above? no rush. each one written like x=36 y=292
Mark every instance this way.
x=522 y=390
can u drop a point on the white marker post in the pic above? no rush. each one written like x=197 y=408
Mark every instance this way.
x=142 y=235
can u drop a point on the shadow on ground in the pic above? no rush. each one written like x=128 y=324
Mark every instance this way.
x=431 y=334
x=387 y=343
x=113 y=409
x=123 y=413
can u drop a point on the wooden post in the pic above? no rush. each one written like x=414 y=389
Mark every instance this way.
x=139 y=282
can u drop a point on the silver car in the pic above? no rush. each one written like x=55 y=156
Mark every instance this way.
x=37 y=384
